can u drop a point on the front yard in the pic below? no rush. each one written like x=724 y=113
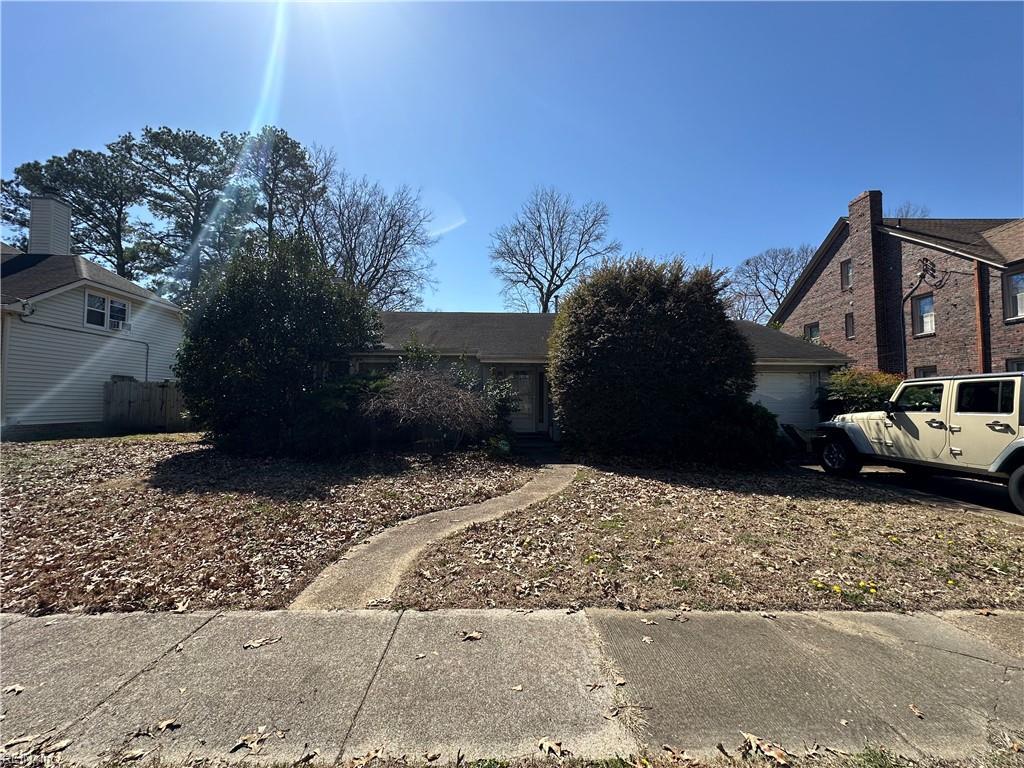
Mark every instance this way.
x=717 y=540
x=164 y=522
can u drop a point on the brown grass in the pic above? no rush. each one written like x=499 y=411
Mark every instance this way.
x=715 y=540
x=155 y=522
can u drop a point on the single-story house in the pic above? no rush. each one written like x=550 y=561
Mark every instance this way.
x=67 y=326
x=789 y=370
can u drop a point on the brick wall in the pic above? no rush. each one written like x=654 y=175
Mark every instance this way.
x=884 y=269
x=1007 y=338
x=826 y=303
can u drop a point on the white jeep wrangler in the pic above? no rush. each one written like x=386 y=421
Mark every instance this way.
x=959 y=425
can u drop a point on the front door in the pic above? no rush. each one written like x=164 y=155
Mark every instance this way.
x=524 y=383
x=986 y=418
x=916 y=428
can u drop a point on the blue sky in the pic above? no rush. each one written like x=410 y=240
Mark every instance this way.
x=717 y=130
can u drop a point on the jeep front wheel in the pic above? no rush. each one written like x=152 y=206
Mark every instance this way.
x=839 y=458
x=1017 y=488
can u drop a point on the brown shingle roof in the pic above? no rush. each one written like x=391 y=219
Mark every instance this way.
x=524 y=336
x=1000 y=241
x=26 y=275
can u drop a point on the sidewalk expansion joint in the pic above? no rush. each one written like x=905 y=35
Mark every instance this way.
x=147 y=668
x=369 y=686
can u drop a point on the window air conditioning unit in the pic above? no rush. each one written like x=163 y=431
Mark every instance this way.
x=120 y=325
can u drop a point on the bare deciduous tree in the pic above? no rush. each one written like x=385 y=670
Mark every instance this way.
x=375 y=241
x=758 y=284
x=908 y=210
x=547 y=246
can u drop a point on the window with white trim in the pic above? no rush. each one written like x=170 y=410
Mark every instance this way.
x=95 y=310
x=1013 y=294
x=812 y=333
x=924 y=314
x=118 y=314
x=107 y=313
x=845 y=274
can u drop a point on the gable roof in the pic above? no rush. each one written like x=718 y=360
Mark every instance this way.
x=495 y=336
x=998 y=241
x=27 y=275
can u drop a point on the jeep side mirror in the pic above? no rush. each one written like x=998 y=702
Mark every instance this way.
x=889 y=407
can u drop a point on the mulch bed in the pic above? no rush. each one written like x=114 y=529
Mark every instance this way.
x=716 y=540
x=164 y=522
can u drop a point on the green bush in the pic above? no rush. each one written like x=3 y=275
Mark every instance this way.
x=259 y=348
x=857 y=389
x=645 y=361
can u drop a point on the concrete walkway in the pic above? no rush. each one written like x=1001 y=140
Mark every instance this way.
x=370 y=572
x=343 y=683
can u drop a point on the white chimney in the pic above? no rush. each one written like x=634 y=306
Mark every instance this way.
x=49 y=226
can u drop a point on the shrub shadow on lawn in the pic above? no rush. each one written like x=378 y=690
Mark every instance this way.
x=209 y=470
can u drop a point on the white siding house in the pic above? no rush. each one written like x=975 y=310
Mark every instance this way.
x=66 y=327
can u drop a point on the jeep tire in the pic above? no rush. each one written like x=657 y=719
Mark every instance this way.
x=838 y=457
x=1016 y=487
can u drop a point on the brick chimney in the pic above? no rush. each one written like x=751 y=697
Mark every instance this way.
x=49 y=226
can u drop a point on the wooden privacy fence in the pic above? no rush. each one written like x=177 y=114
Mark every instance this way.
x=144 y=405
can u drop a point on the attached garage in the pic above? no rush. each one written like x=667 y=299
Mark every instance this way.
x=790 y=373
x=790 y=395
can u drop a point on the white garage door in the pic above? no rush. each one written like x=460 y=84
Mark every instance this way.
x=790 y=396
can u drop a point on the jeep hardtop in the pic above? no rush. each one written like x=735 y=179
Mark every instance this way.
x=961 y=425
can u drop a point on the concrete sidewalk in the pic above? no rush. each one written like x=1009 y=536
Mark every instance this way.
x=345 y=683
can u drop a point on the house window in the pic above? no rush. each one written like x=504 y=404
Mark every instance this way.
x=849 y=325
x=118 y=312
x=1013 y=295
x=1015 y=364
x=812 y=333
x=985 y=396
x=846 y=274
x=103 y=312
x=95 y=310
x=924 y=371
x=924 y=314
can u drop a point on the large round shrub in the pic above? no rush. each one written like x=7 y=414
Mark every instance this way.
x=260 y=345
x=644 y=360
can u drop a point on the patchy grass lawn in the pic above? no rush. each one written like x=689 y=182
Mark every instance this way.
x=155 y=522
x=714 y=540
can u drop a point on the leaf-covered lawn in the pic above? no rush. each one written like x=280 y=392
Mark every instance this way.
x=155 y=522
x=786 y=540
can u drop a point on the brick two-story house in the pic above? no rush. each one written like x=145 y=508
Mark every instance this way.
x=916 y=296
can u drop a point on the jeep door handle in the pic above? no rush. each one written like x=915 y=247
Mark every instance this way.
x=936 y=423
x=996 y=425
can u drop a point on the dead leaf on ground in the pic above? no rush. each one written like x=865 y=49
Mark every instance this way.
x=182 y=606
x=678 y=617
x=431 y=757
x=369 y=757
x=620 y=681
x=135 y=754
x=917 y=712
x=675 y=756
x=170 y=724
x=755 y=745
x=766 y=615
x=649 y=622
x=252 y=741
x=647 y=639
x=987 y=612
x=594 y=686
x=470 y=636
x=58 y=746
x=15 y=689
x=1012 y=744
x=259 y=642
x=420 y=656
x=517 y=687
x=555 y=748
